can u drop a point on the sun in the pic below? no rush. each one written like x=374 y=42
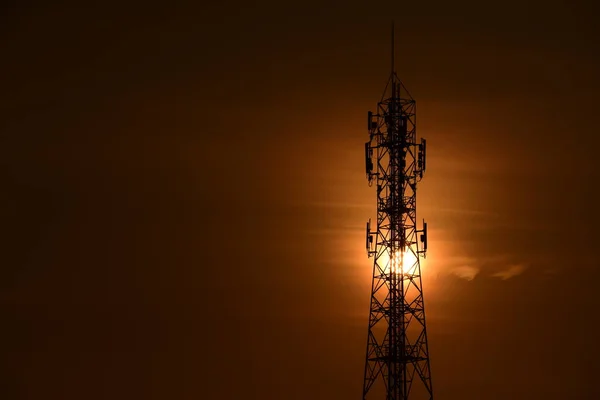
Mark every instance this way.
x=405 y=262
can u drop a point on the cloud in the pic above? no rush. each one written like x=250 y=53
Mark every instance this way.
x=510 y=272
x=322 y=204
x=466 y=272
x=465 y=211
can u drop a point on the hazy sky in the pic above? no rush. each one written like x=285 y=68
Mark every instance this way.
x=184 y=196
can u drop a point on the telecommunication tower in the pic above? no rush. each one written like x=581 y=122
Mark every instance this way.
x=397 y=360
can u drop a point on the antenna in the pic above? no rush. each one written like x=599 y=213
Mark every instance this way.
x=393 y=34
x=397 y=357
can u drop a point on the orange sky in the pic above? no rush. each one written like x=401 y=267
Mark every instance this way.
x=185 y=197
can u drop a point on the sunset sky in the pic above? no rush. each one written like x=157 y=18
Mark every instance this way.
x=184 y=196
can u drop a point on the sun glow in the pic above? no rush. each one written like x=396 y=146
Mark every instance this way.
x=404 y=262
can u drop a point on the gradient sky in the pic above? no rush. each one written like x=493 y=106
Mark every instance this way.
x=184 y=196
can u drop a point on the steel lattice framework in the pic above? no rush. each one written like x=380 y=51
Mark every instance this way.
x=397 y=359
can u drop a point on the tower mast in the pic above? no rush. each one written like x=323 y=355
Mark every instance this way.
x=397 y=358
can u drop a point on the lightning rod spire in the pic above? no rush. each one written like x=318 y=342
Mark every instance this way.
x=393 y=55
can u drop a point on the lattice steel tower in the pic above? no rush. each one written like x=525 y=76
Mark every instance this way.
x=397 y=361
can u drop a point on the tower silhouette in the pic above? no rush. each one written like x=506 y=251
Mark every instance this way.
x=397 y=358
